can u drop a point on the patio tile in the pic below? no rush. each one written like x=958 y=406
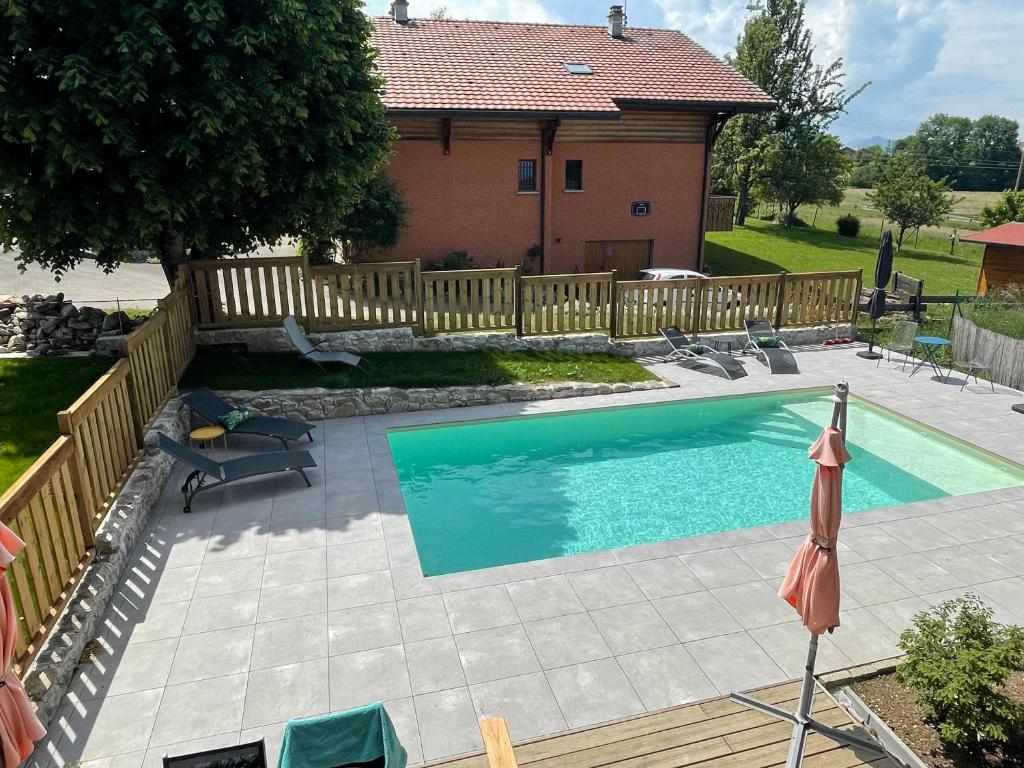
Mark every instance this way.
x=210 y=613
x=735 y=662
x=363 y=628
x=185 y=710
x=448 y=723
x=284 y=568
x=352 y=503
x=917 y=534
x=719 y=568
x=276 y=643
x=631 y=628
x=212 y=654
x=867 y=584
x=348 y=529
x=526 y=702
x=481 y=608
x=106 y=727
x=1008 y=551
x=919 y=574
x=356 y=558
x=787 y=646
x=696 y=616
x=863 y=637
x=272 y=735
x=285 y=693
x=969 y=565
x=566 y=640
x=605 y=587
x=873 y=542
x=594 y=692
x=368 y=676
x=124 y=622
x=145 y=586
x=768 y=558
x=229 y=576
x=403 y=716
x=899 y=614
x=118 y=669
x=962 y=525
x=292 y=600
x=423 y=618
x=434 y=665
x=663 y=578
x=1008 y=593
x=754 y=605
x=666 y=677
x=544 y=598
x=1002 y=518
x=492 y=654
x=361 y=589
x=291 y=536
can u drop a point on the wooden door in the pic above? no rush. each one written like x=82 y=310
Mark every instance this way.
x=626 y=256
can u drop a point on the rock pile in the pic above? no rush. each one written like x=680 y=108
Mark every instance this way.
x=49 y=325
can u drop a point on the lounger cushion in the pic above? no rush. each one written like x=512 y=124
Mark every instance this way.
x=767 y=341
x=695 y=348
x=233 y=418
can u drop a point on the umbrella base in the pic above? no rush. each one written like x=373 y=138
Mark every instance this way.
x=868 y=354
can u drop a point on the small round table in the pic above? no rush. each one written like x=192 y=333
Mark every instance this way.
x=931 y=345
x=209 y=434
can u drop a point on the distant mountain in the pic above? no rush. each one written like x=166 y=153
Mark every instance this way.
x=869 y=142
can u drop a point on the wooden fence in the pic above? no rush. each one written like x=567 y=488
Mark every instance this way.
x=59 y=502
x=1004 y=355
x=227 y=294
x=721 y=212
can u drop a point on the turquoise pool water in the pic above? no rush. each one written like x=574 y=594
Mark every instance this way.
x=488 y=493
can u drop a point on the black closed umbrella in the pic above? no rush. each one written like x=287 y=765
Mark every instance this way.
x=876 y=304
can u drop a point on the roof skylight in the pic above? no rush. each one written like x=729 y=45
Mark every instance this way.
x=575 y=68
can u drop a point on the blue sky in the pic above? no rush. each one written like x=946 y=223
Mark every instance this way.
x=922 y=56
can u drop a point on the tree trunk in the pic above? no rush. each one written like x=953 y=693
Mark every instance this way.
x=899 y=239
x=172 y=255
x=742 y=195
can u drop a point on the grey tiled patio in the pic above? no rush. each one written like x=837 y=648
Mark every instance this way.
x=271 y=601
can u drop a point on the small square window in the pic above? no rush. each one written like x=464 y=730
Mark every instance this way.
x=574 y=175
x=578 y=68
x=527 y=175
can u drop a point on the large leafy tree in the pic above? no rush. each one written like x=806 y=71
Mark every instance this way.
x=906 y=196
x=970 y=154
x=775 y=51
x=1009 y=207
x=805 y=167
x=195 y=127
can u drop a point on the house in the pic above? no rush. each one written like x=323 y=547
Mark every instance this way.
x=559 y=147
x=1002 y=266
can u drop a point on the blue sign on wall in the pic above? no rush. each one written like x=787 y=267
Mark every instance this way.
x=640 y=207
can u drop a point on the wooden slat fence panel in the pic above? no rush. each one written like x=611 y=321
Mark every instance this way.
x=248 y=291
x=1004 y=355
x=728 y=301
x=364 y=295
x=721 y=211
x=464 y=300
x=567 y=303
x=153 y=373
x=43 y=508
x=820 y=298
x=644 y=306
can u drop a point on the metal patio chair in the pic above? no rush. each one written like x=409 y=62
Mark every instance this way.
x=902 y=341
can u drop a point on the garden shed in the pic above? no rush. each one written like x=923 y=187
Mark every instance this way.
x=1003 y=263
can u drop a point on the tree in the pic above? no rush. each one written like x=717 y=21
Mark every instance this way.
x=440 y=14
x=375 y=223
x=806 y=167
x=906 y=196
x=1009 y=207
x=194 y=127
x=867 y=167
x=776 y=53
x=970 y=154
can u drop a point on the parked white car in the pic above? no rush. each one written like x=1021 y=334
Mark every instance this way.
x=673 y=273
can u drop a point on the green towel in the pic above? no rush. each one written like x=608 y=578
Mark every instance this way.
x=356 y=736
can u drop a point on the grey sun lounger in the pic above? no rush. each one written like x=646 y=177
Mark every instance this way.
x=226 y=472
x=308 y=352
x=682 y=350
x=212 y=406
x=778 y=357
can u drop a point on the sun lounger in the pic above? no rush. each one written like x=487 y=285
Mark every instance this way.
x=360 y=737
x=308 y=352
x=233 y=469
x=212 y=406
x=768 y=346
x=701 y=354
x=252 y=755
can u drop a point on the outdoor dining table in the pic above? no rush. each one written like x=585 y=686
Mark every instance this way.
x=931 y=346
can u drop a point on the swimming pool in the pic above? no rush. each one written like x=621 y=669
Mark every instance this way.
x=488 y=493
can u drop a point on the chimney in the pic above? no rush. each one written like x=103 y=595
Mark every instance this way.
x=400 y=11
x=616 y=20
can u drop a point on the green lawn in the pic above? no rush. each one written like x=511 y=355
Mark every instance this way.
x=32 y=390
x=761 y=247
x=238 y=370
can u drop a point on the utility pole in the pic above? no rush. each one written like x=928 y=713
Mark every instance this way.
x=1020 y=167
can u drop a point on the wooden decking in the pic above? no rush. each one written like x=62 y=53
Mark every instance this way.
x=710 y=734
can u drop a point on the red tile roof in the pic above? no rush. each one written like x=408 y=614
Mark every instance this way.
x=1004 y=234
x=512 y=67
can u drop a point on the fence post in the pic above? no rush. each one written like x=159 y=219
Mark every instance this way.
x=84 y=504
x=417 y=276
x=855 y=309
x=613 y=321
x=698 y=308
x=517 y=298
x=309 y=313
x=780 y=301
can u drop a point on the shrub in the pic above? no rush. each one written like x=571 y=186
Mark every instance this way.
x=957 y=660
x=848 y=225
x=451 y=260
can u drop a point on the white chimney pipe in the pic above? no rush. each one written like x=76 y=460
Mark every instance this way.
x=616 y=20
x=400 y=11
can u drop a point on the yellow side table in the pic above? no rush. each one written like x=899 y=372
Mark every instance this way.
x=209 y=434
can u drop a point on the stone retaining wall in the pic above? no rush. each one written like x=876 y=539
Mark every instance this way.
x=312 y=404
x=49 y=676
x=51 y=325
x=403 y=340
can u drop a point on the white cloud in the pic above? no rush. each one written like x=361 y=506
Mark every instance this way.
x=712 y=23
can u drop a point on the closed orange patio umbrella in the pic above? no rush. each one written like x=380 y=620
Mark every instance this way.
x=19 y=726
x=811 y=584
